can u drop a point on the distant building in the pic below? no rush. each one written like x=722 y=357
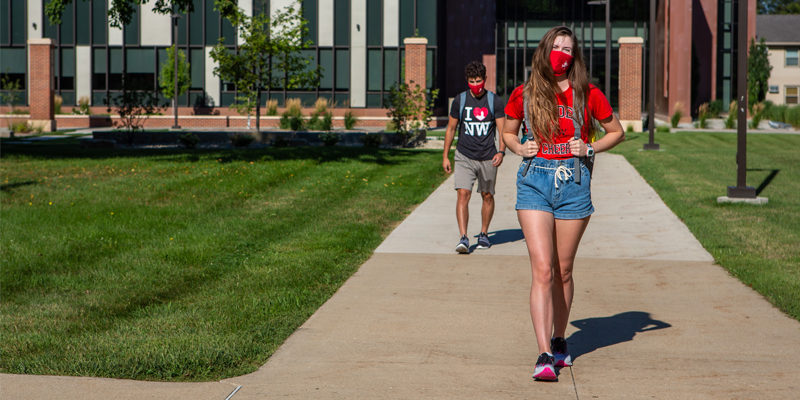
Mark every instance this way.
x=782 y=36
x=361 y=44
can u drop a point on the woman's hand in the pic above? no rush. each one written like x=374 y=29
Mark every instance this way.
x=529 y=149
x=577 y=147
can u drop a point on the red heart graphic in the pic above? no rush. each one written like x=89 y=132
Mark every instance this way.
x=480 y=113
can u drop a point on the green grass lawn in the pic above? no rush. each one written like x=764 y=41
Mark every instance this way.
x=758 y=244
x=184 y=265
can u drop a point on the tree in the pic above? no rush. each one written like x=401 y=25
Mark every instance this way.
x=166 y=78
x=410 y=109
x=758 y=72
x=121 y=11
x=268 y=58
x=778 y=7
x=135 y=104
x=11 y=97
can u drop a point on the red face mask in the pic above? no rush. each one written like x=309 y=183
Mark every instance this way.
x=476 y=89
x=560 y=62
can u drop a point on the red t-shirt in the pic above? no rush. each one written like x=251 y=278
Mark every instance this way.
x=598 y=108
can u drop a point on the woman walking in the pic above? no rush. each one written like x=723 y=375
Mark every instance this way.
x=554 y=202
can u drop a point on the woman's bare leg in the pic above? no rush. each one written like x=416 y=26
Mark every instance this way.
x=568 y=233
x=538 y=228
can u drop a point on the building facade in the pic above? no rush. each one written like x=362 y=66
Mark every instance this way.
x=360 y=45
x=782 y=37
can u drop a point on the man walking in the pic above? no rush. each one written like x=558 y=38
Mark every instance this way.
x=479 y=115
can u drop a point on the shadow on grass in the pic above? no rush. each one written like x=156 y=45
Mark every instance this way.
x=9 y=186
x=596 y=333
x=56 y=151
x=773 y=173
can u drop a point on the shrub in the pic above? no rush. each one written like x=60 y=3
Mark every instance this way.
x=330 y=138
x=714 y=108
x=662 y=128
x=21 y=127
x=280 y=141
x=57 y=101
x=292 y=118
x=730 y=122
x=272 y=107
x=321 y=106
x=677 y=115
x=83 y=107
x=757 y=115
x=188 y=139
x=792 y=116
x=371 y=139
x=629 y=129
x=702 y=116
x=776 y=113
x=241 y=140
x=350 y=120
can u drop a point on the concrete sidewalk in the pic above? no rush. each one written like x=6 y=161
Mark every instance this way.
x=652 y=317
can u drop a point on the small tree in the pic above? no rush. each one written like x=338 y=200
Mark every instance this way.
x=166 y=79
x=410 y=109
x=135 y=104
x=11 y=97
x=758 y=72
x=268 y=58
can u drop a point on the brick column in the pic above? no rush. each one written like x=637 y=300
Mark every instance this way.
x=416 y=60
x=630 y=82
x=41 y=64
x=490 y=61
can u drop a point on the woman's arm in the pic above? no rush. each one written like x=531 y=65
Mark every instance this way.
x=614 y=136
x=511 y=139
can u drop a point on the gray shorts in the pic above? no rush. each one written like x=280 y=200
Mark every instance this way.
x=467 y=170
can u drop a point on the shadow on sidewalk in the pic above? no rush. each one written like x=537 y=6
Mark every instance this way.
x=601 y=332
x=506 y=236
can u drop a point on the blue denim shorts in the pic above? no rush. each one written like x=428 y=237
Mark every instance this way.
x=549 y=185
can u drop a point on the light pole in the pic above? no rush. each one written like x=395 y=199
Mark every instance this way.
x=607 y=87
x=175 y=70
x=741 y=190
x=651 y=119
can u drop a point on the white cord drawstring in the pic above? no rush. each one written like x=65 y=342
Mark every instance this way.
x=562 y=173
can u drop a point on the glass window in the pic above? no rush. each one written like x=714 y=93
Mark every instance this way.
x=406 y=19
x=5 y=18
x=342 y=100
x=17 y=22
x=212 y=23
x=50 y=30
x=374 y=70
x=196 y=26
x=132 y=29
x=426 y=20
x=429 y=69
x=99 y=70
x=389 y=69
x=792 y=94
x=82 y=21
x=341 y=23
x=99 y=22
x=67 y=75
x=228 y=32
x=326 y=62
x=310 y=14
x=67 y=25
x=277 y=96
x=342 y=69
x=115 y=67
x=374 y=22
x=182 y=21
x=197 y=68
x=773 y=89
x=141 y=66
x=791 y=58
x=12 y=65
x=374 y=100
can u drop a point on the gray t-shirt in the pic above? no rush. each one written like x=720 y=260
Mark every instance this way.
x=478 y=128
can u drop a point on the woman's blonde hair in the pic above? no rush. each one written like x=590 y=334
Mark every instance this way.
x=541 y=88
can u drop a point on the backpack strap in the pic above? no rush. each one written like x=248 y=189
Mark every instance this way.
x=491 y=102
x=462 y=98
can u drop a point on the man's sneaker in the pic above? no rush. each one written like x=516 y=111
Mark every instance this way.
x=544 y=368
x=463 y=245
x=483 y=241
x=559 y=348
